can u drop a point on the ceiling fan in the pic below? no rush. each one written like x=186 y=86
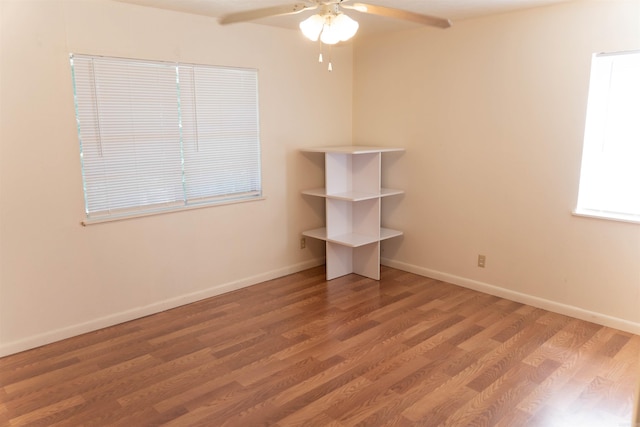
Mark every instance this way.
x=331 y=25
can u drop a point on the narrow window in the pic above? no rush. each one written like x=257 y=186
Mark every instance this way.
x=156 y=136
x=610 y=173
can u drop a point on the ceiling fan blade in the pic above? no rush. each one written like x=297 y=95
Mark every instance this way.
x=399 y=14
x=250 y=15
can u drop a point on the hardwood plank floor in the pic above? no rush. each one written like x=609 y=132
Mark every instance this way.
x=301 y=351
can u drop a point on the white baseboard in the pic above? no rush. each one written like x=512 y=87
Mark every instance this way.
x=556 y=307
x=138 y=312
x=135 y=313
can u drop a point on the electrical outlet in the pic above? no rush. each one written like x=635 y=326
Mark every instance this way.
x=303 y=243
x=482 y=260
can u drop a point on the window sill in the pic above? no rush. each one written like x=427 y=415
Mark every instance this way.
x=632 y=219
x=100 y=220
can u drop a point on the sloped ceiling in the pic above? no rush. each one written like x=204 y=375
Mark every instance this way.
x=454 y=10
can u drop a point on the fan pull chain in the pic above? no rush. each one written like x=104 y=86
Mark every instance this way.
x=321 y=57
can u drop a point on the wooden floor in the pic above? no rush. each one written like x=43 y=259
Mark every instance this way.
x=300 y=351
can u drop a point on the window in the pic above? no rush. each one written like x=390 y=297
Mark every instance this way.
x=156 y=136
x=610 y=174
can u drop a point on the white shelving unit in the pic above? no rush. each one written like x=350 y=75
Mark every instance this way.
x=353 y=195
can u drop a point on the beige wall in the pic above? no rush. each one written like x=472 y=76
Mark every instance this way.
x=491 y=112
x=58 y=278
x=492 y=115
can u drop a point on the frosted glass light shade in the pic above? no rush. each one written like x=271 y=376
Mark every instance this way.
x=331 y=29
x=330 y=34
x=312 y=26
x=345 y=26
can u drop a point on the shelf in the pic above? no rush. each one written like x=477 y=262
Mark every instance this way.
x=388 y=233
x=352 y=196
x=352 y=240
x=317 y=233
x=351 y=149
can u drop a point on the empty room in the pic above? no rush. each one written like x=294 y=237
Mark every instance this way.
x=320 y=213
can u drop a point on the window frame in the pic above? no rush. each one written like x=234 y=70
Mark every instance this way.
x=595 y=135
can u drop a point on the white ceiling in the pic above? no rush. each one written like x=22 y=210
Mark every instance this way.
x=454 y=10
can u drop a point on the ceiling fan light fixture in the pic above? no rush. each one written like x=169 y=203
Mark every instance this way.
x=330 y=24
x=330 y=33
x=312 y=27
x=330 y=28
x=345 y=26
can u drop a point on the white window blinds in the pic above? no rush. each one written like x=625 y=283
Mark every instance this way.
x=155 y=136
x=219 y=126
